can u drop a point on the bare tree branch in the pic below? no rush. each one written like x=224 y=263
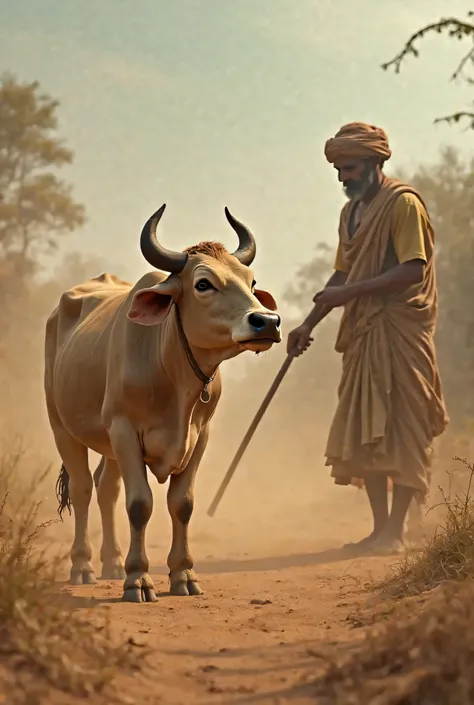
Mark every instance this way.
x=456 y=29
x=457 y=117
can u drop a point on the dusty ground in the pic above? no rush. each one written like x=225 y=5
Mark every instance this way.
x=258 y=635
x=278 y=598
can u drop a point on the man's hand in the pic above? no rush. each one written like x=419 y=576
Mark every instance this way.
x=334 y=296
x=299 y=340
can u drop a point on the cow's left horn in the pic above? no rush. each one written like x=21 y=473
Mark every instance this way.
x=154 y=253
x=247 y=246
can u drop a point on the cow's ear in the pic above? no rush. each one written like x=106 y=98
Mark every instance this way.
x=151 y=306
x=265 y=299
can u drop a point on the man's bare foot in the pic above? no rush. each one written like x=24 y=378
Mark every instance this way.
x=360 y=547
x=385 y=545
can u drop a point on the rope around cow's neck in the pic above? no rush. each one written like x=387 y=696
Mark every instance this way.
x=204 y=396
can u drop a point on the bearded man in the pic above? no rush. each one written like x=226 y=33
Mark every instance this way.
x=390 y=404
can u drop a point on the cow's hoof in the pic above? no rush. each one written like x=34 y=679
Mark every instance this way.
x=113 y=571
x=82 y=577
x=179 y=589
x=136 y=594
x=194 y=588
x=138 y=587
x=88 y=578
x=184 y=584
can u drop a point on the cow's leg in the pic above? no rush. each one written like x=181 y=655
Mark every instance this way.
x=138 y=586
x=107 y=481
x=183 y=580
x=75 y=483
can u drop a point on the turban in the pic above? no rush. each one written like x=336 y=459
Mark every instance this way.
x=359 y=141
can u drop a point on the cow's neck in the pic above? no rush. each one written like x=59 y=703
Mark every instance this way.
x=202 y=364
x=206 y=360
x=182 y=359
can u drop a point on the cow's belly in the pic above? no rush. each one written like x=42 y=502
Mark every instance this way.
x=79 y=384
x=86 y=426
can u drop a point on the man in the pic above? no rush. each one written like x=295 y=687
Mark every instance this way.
x=391 y=404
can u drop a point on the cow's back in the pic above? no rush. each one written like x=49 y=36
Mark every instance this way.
x=97 y=299
x=76 y=344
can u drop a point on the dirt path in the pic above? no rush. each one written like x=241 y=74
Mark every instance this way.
x=257 y=635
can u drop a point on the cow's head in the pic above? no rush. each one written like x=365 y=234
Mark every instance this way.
x=215 y=291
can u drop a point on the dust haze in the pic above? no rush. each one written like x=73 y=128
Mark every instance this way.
x=109 y=110
x=281 y=500
x=194 y=122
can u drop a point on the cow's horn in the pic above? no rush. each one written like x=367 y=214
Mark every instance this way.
x=247 y=246
x=154 y=253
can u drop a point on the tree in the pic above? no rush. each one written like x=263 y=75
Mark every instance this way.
x=448 y=189
x=457 y=29
x=36 y=209
x=310 y=278
x=36 y=206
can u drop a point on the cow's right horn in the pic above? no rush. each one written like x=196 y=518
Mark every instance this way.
x=154 y=253
x=247 y=249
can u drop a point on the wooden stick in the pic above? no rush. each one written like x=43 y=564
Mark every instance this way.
x=248 y=436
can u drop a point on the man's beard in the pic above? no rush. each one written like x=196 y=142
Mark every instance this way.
x=358 y=189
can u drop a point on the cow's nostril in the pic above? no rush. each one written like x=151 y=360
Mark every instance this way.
x=257 y=321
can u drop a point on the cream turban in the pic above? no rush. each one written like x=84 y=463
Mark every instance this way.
x=358 y=140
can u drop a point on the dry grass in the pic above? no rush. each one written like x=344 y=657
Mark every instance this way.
x=425 y=660
x=42 y=642
x=423 y=653
x=448 y=556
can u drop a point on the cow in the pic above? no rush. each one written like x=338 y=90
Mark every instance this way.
x=132 y=372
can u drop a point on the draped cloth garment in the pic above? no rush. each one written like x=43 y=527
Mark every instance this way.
x=391 y=403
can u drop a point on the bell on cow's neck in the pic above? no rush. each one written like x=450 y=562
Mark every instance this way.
x=205 y=397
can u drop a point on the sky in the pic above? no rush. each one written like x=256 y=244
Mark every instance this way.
x=203 y=104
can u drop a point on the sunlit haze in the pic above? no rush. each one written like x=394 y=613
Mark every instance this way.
x=207 y=104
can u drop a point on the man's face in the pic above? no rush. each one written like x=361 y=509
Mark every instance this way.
x=356 y=176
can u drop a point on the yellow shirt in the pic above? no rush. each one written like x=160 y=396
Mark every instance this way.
x=408 y=230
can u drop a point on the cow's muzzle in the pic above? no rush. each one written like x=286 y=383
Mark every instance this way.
x=264 y=330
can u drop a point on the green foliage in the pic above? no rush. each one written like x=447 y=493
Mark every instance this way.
x=36 y=206
x=457 y=29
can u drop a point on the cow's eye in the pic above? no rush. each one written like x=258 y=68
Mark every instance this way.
x=204 y=285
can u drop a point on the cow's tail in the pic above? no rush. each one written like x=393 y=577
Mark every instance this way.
x=62 y=492
x=98 y=472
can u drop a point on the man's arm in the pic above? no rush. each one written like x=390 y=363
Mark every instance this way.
x=299 y=339
x=393 y=281
x=319 y=310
